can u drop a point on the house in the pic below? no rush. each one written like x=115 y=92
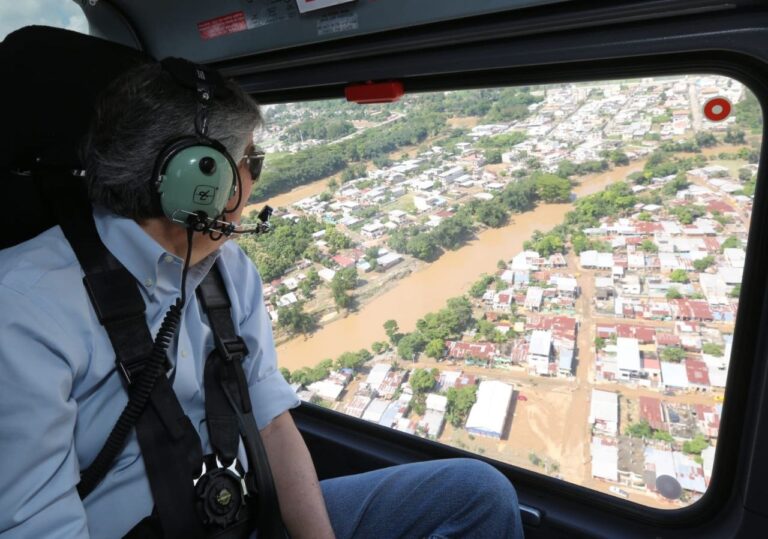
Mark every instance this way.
x=533 y=298
x=605 y=458
x=326 y=274
x=373 y=230
x=628 y=358
x=651 y=412
x=540 y=352
x=502 y=301
x=604 y=412
x=697 y=373
x=488 y=416
x=388 y=260
x=464 y=350
x=567 y=287
x=674 y=375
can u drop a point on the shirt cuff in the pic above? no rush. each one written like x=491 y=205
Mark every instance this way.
x=270 y=397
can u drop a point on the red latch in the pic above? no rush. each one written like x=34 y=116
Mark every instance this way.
x=374 y=92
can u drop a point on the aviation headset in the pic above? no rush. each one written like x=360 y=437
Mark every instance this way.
x=195 y=175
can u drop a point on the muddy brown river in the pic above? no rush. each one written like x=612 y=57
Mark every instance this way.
x=428 y=289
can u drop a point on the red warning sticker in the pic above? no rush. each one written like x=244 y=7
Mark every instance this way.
x=222 y=26
x=717 y=109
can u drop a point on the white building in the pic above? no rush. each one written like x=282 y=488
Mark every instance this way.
x=540 y=352
x=533 y=298
x=604 y=412
x=488 y=415
x=628 y=357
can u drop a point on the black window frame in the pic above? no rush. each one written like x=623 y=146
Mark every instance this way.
x=747 y=372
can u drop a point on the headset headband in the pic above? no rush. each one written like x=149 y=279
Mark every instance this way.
x=206 y=83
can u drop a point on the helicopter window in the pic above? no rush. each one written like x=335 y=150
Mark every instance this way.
x=547 y=275
x=57 y=13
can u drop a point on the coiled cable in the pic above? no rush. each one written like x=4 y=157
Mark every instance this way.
x=140 y=391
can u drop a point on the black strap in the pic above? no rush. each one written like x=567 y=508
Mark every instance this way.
x=118 y=304
x=227 y=399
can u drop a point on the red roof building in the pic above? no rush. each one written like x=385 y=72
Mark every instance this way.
x=643 y=334
x=650 y=410
x=712 y=245
x=698 y=374
x=667 y=339
x=462 y=350
x=719 y=205
x=343 y=261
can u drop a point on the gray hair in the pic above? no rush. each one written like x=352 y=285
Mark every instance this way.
x=136 y=117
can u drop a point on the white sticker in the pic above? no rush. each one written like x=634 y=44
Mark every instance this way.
x=260 y=13
x=340 y=21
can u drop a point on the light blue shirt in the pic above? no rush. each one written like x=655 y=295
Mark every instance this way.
x=60 y=393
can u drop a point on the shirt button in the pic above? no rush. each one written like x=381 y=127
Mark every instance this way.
x=168 y=259
x=148 y=282
x=183 y=353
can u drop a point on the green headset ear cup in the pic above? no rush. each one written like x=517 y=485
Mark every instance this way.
x=185 y=188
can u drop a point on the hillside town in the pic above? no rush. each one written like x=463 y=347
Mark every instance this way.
x=620 y=331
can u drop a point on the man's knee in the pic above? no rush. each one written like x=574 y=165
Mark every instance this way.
x=482 y=481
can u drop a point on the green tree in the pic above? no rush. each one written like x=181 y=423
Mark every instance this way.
x=695 y=446
x=639 y=430
x=460 y=402
x=344 y=280
x=379 y=347
x=423 y=246
x=435 y=348
x=703 y=263
x=663 y=436
x=679 y=276
x=618 y=158
x=599 y=343
x=391 y=329
x=410 y=345
x=732 y=242
x=648 y=246
x=745 y=174
x=423 y=380
x=749 y=115
x=552 y=188
x=734 y=136
x=705 y=139
x=479 y=287
x=492 y=213
x=673 y=354
x=712 y=349
x=673 y=293
x=285 y=372
x=295 y=320
x=735 y=291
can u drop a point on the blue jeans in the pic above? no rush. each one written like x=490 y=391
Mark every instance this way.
x=461 y=498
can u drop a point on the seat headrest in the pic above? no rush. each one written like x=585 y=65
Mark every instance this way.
x=50 y=81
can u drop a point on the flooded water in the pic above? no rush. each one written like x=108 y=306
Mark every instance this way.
x=286 y=199
x=428 y=289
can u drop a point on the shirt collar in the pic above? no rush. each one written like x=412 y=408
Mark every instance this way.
x=139 y=252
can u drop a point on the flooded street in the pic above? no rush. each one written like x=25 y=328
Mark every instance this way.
x=428 y=289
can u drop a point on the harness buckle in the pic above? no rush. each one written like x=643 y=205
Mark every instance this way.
x=234 y=349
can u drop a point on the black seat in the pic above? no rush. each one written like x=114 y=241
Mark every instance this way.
x=50 y=81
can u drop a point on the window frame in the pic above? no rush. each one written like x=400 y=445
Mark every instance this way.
x=744 y=380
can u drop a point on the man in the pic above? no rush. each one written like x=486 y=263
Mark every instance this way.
x=60 y=393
